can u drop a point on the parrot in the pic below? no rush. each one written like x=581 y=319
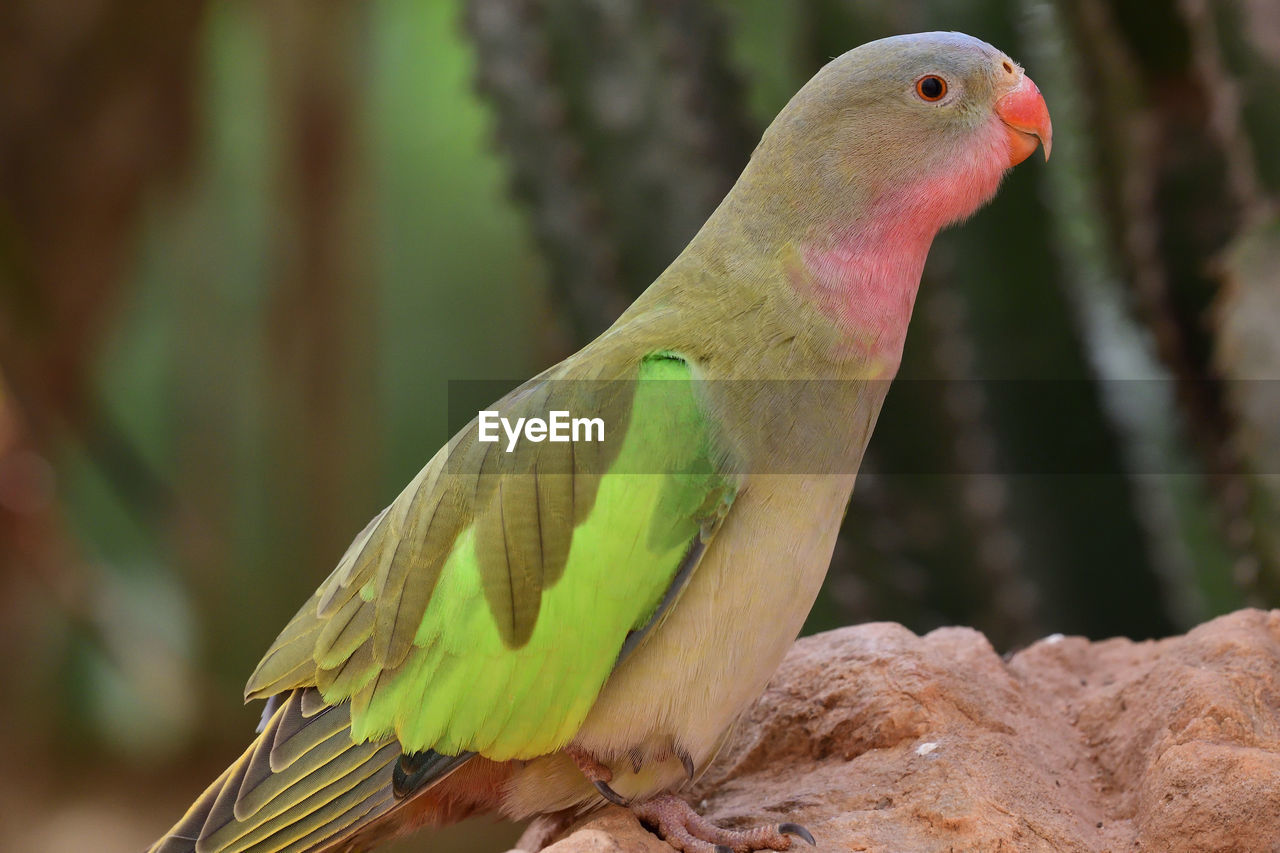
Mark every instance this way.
x=536 y=628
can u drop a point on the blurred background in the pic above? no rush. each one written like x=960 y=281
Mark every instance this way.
x=245 y=246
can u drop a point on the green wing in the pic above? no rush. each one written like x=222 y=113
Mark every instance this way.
x=483 y=610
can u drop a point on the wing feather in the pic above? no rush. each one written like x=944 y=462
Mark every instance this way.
x=483 y=610
x=396 y=622
x=304 y=783
x=343 y=633
x=480 y=613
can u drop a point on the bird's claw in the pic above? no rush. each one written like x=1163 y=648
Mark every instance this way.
x=684 y=829
x=611 y=795
x=798 y=831
x=687 y=761
x=598 y=774
x=677 y=822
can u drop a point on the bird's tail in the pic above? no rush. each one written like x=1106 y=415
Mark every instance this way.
x=303 y=785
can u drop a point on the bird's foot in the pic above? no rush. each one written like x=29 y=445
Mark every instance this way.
x=587 y=764
x=686 y=830
x=597 y=774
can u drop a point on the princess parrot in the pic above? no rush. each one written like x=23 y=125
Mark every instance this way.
x=535 y=631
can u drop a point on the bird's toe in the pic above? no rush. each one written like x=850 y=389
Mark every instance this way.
x=686 y=830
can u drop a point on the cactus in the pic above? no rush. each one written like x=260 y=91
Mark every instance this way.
x=623 y=127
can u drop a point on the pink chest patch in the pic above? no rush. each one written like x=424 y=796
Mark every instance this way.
x=867 y=277
x=870 y=290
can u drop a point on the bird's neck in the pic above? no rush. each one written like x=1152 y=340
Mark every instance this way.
x=865 y=279
x=843 y=259
x=865 y=274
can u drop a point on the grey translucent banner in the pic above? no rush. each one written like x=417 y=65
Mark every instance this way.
x=820 y=426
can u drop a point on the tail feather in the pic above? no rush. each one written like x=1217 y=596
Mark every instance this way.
x=362 y=814
x=358 y=792
x=186 y=832
x=302 y=785
x=276 y=772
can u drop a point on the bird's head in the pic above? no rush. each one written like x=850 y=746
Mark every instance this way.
x=931 y=93
x=885 y=146
x=928 y=123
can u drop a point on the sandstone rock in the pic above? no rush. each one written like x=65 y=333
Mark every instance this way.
x=879 y=740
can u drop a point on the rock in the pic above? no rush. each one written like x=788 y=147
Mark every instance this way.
x=879 y=740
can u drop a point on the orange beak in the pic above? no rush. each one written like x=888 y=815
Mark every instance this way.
x=1026 y=117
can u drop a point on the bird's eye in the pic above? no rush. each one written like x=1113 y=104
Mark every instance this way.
x=931 y=87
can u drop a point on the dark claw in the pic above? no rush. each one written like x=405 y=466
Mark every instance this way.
x=612 y=795
x=722 y=848
x=798 y=831
x=687 y=761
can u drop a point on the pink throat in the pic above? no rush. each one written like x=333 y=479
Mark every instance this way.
x=867 y=274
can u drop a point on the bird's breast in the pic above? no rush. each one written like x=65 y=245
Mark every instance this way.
x=684 y=686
